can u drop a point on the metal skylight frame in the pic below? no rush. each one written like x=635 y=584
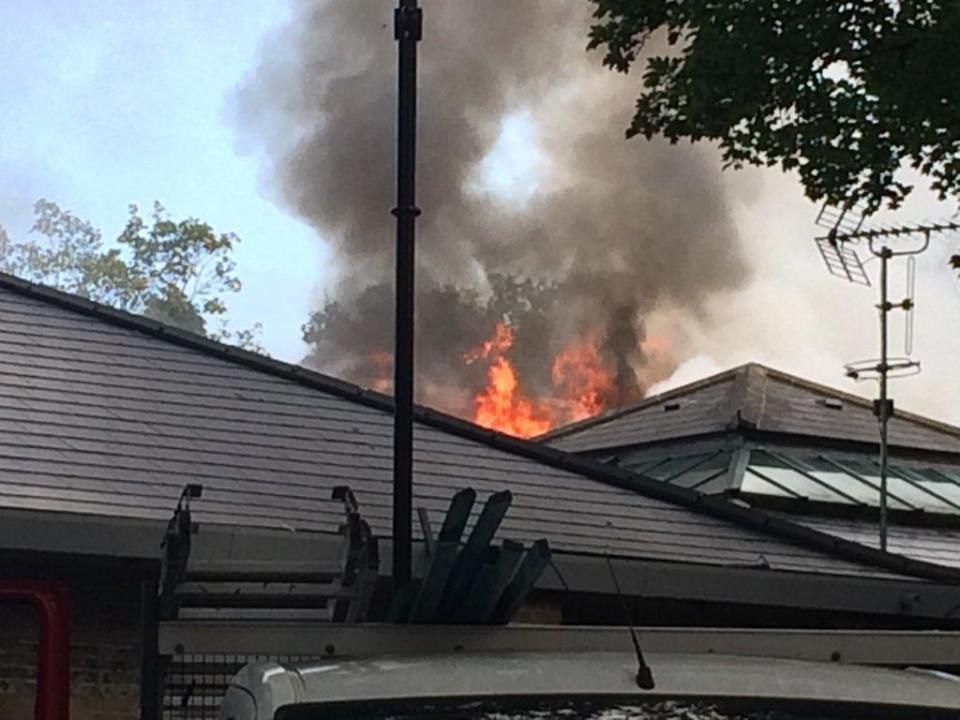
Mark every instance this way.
x=743 y=463
x=875 y=487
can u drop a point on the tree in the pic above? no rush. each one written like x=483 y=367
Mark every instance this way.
x=354 y=340
x=845 y=93
x=173 y=272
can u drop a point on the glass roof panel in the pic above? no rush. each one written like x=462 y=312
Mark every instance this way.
x=914 y=495
x=941 y=487
x=678 y=466
x=668 y=467
x=644 y=466
x=803 y=485
x=845 y=479
x=850 y=485
x=937 y=474
x=863 y=486
x=898 y=486
x=794 y=475
x=842 y=478
x=753 y=483
x=697 y=479
x=945 y=481
x=716 y=485
x=693 y=470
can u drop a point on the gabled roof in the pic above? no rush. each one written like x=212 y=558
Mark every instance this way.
x=106 y=414
x=757 y=398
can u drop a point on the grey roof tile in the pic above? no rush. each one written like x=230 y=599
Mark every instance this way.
x=755 y=397
x=102 y=413
x=940 y=545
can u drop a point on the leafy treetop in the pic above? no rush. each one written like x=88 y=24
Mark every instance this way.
x=173 y=272
x=845 y=93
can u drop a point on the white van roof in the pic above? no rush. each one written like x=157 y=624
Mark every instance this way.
x=543 y=674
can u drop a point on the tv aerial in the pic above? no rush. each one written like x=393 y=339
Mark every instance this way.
x=846 y=228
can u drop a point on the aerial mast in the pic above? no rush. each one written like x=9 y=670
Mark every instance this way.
x=846 y=227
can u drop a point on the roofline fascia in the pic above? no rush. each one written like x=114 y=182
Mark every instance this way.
x=841 y=444
x=749 y=583
x=733 y=437
x=754 y=435
x=822 y=510
x=602 y=473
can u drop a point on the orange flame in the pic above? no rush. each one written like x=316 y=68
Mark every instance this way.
x=580 y=379
x=583 y=384
x=382 y=364
x=502 y=405
x=501 y=341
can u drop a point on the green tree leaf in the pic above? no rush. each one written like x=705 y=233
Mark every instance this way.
x=846 y=94
x=178 y=273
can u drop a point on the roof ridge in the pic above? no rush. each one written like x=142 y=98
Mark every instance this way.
x=599 y=472
x=622 y=411
x=751 y=373
x=805 y=384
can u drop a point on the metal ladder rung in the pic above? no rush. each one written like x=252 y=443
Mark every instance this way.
x=243 y=575
x=258 y=589
x=252 y=600
x=305 y=614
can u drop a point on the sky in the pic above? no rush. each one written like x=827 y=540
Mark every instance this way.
x=112 y=102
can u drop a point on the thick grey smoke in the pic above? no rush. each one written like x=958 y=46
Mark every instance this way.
x=615 y=228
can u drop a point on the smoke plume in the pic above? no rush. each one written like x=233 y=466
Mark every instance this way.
x=613 y=231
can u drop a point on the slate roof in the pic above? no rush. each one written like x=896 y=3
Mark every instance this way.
x=940 y=545
x=758 y=398
x=103 y=413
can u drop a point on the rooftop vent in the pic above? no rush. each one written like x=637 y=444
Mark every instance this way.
x=667 y=407
x=832 y=403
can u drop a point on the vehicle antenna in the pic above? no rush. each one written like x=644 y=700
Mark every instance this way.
x=644 y=674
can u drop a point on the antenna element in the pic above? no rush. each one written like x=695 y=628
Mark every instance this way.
x=644 y=674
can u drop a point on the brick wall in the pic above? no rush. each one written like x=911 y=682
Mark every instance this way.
x=104 y=653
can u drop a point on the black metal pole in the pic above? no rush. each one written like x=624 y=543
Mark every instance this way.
x=407 y=31
x=150 y=685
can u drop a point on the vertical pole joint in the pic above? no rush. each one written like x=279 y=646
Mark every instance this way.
x=407 y=23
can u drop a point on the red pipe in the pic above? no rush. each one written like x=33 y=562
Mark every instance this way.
x=53 y=655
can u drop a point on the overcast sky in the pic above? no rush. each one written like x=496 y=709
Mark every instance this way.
x=111 y=102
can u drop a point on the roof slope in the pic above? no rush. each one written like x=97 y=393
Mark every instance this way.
x=940 y=545
x=756 y=397
x=107 y=414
